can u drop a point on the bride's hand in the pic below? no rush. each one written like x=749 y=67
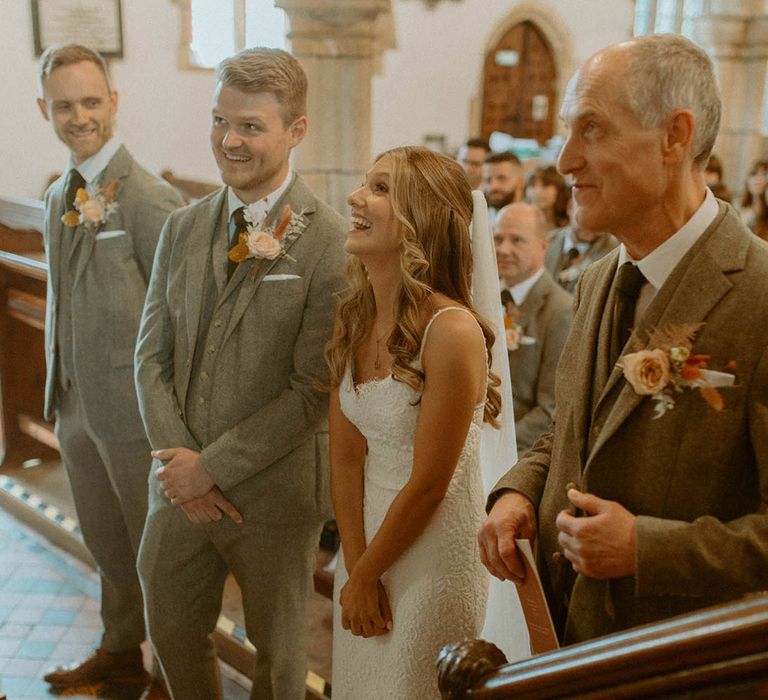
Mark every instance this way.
x=365 y=607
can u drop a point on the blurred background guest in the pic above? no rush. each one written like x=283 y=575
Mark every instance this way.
x=546 y=189
x=471 y=156
x=572 y=248
x=503 y=181
x=754 y=209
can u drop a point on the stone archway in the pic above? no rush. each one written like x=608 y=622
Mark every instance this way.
x=549 y=27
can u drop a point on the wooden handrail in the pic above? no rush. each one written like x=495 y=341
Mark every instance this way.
x=718 y=644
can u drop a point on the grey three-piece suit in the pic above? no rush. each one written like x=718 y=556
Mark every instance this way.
x=96 y=288
x=231 y=368
x=546 y=315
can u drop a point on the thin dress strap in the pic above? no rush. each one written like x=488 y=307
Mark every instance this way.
x=434 y=316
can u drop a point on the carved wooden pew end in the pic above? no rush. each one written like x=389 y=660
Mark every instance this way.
x=462 y=666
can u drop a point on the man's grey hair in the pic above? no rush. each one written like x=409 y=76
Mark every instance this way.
x=669 y=72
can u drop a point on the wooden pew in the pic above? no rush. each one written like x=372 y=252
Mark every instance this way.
x=23 y=276
x=720 y=652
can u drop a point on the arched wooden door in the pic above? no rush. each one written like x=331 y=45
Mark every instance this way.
x=519 y=79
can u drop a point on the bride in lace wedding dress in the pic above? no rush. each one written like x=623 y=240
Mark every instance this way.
x=410 y=364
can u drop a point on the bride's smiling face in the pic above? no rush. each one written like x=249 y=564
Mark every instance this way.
x=374 y=229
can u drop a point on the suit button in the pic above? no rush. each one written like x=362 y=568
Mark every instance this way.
x=596 y=429
x=211 y=349
x=201 y=401
x=204 y=375
x=217 y=323
x=557 y=557
x=189 y=362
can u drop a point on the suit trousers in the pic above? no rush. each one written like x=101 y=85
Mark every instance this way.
x=109 y=485
x=183 y=567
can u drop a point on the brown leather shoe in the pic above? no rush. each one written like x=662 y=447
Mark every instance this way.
x=124 y=667
x=156 y=690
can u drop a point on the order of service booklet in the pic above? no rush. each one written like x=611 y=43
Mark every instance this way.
x=541 y=630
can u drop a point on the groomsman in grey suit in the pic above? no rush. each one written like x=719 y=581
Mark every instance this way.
x=649 y=497
x=229 y=369
x=100 y=247
x=540 y=314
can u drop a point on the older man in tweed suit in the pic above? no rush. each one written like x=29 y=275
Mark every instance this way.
x=642 y=516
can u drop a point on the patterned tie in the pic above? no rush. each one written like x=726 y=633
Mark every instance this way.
x=240 y=227
x=627 y=286
x=76 y=181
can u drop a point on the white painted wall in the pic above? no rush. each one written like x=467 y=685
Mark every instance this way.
x=425 y=85
x=428 y=82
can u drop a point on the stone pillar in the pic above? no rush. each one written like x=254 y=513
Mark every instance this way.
x=337 y=42
x=735 y=35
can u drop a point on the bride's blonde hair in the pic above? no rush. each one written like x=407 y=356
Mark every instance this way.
x=432 y=200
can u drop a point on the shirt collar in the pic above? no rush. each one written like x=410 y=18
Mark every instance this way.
x=92 y=167
x=262 y=206
x=659 y=263
x=520 y=291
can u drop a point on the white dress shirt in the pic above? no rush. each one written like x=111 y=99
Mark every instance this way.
x=521 y=289
x=91 y=167
x=659 y=263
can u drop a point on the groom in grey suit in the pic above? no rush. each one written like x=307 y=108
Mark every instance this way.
x=229 y=369
x=99 y=268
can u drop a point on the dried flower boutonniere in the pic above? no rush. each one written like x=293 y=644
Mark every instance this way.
x=666 y=364
x=92 y=208
x=260 y=241
x=513 y=330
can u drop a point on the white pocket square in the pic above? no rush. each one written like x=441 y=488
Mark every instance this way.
x=103 y=235
x=278 y=278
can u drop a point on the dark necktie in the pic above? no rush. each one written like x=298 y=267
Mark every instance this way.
x=240 y=227
x=627 y=286
x=506 y=299
x=76 y=181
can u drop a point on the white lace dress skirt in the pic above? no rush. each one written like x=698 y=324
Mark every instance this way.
x=437 y=589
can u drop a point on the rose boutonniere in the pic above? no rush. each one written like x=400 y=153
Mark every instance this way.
x=666 y=364
x=92 y=209
x=260 y=241
x=513 y=330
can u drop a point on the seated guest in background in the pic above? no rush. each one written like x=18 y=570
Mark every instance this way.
x=102 y=222
x=539 y=317
x=714 y=178
x=754 y=207
x=546 y=188
x=229 y=369
x=503 y=181
x=412 y=389
x=649 y=498
x=471 y=156
x=572 y=249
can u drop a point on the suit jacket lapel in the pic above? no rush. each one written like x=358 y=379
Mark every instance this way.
x=529 y=309
x=117 y=169
x=55 y=231
x=249 y=274
x=702 y=281
x=210 y=219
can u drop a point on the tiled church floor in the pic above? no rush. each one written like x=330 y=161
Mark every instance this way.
x=49 y=615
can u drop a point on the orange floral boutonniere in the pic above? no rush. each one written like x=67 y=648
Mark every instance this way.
x=666 y=364
x=513 y=330
x=260 y=241
x=92 y=209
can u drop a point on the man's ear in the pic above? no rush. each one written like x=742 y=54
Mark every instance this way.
x=680 y=128
x=113 y=100
x=43 y=108
x=298 y=130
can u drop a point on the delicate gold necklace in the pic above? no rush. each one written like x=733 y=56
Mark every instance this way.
x=377 y=361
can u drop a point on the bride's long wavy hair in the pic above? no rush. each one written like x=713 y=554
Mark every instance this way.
x=432 y=200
